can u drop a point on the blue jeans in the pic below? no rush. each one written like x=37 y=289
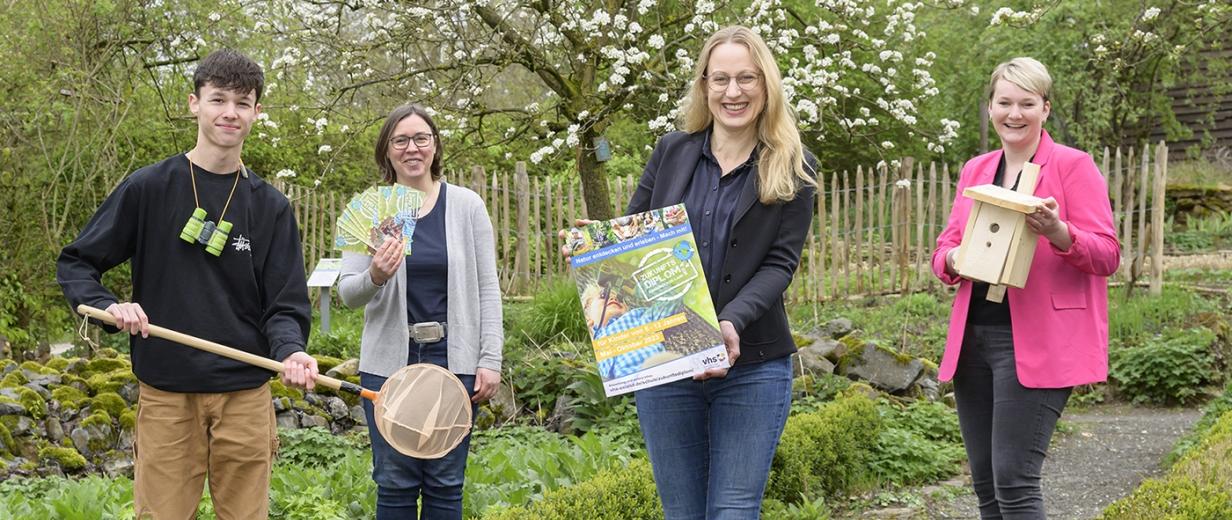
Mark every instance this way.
x=1005 y=426
x=711 y=442
x=401 y=480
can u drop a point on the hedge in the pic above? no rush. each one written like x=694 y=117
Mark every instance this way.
x=1196 y=488
x=625 y=493
x=822 y=453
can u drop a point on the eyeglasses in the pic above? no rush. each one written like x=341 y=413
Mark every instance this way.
x=421 y=140
x=745 y=81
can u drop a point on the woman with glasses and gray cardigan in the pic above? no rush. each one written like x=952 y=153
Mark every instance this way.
x=439 y=305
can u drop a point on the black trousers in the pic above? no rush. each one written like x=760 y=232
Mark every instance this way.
x=1006 y=427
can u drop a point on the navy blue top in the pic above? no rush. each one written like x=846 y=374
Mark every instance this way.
x=711 y=200
x=427 y=275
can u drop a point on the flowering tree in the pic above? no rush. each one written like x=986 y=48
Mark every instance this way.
x=556 y=74
x=1112 y=62
x=858 y=74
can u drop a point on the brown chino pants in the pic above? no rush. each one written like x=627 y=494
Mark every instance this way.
x=182 y=438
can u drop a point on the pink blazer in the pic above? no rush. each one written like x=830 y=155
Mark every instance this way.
x=1060 y=319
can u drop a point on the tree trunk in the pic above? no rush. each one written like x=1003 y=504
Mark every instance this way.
x=594 y=179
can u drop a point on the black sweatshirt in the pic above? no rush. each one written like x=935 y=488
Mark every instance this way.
x=254 y=297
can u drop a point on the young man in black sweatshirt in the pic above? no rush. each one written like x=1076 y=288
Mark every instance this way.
x=239 y=281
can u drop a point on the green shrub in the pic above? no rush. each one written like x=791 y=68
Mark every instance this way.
x=1131 y=322
x=510 y=466
x=554 y=315
x=625 y=493
x=68 y=499
x=1165 y=370
x=1172 y=500
x=1210 y=414
x=537 y=382
x=816 y=509
x=905 y=457
x=316 y=447
x=826 y=452
x=1195 y=488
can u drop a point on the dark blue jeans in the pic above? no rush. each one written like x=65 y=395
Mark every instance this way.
x=711 y=442
x=401 y=480
x=1006 y=427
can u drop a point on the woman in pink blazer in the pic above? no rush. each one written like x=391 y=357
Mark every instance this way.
x=1014 y=363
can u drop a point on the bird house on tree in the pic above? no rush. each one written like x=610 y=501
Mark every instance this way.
x=997 y=246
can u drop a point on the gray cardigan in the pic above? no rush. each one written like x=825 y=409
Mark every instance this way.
x=475 y=333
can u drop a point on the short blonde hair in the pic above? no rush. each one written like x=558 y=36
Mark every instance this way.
x=1027 y=73
x=781 y=170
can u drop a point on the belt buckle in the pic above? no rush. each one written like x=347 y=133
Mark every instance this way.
x=427 y=332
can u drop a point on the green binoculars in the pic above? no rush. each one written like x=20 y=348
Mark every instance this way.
x=201 y=231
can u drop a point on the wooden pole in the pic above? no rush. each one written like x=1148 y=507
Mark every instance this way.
x=1157 y=220
x=522 y=262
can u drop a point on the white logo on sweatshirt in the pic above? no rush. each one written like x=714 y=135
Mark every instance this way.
x=242 y=244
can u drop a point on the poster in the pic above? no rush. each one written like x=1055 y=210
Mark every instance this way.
x=645 y=299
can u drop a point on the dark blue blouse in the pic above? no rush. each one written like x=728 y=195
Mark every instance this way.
x=711 y=200
x=427 y=275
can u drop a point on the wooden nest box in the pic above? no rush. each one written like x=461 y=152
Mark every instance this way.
x=997 y=245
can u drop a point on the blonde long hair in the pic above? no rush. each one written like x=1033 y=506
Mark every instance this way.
x=780 y=164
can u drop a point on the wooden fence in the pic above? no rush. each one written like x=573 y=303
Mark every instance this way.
x=873 y=233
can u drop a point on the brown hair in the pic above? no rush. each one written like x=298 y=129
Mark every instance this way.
x=387 y=132
x=229 y=70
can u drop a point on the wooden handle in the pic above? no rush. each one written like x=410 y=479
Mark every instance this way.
x=227 y=352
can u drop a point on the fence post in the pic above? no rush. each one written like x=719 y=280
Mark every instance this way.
x=1140 y=256
x=1157 y=219
x=859 y=229
x=522 y=263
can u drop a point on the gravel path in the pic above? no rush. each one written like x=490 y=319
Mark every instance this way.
x=1109 y=452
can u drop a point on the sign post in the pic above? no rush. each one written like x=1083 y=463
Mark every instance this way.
x=323 y=277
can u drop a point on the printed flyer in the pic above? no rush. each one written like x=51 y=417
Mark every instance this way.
x=645 y=299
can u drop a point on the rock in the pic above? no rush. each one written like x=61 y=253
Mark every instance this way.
x=357 y=415
x=12 y=409
x=75 y=366
x=55 y=432
x=813 y=358
x=92 y=438
x=281 y=404
x=837 y=328
x=927 y=387
x=41 y=390
x=503 y=404
x=883 y=368
x=310 y=421
x=119 y=467
x=10 y=393
x=314 y=399
x=131 y=392
x=337 y=408
x=561 y=420
x=287 y=420
x=347 y=368
x=26 y=426
x=126 y=441
x=45 y=380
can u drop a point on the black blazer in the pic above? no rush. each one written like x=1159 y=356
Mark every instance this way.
x=766 y=241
